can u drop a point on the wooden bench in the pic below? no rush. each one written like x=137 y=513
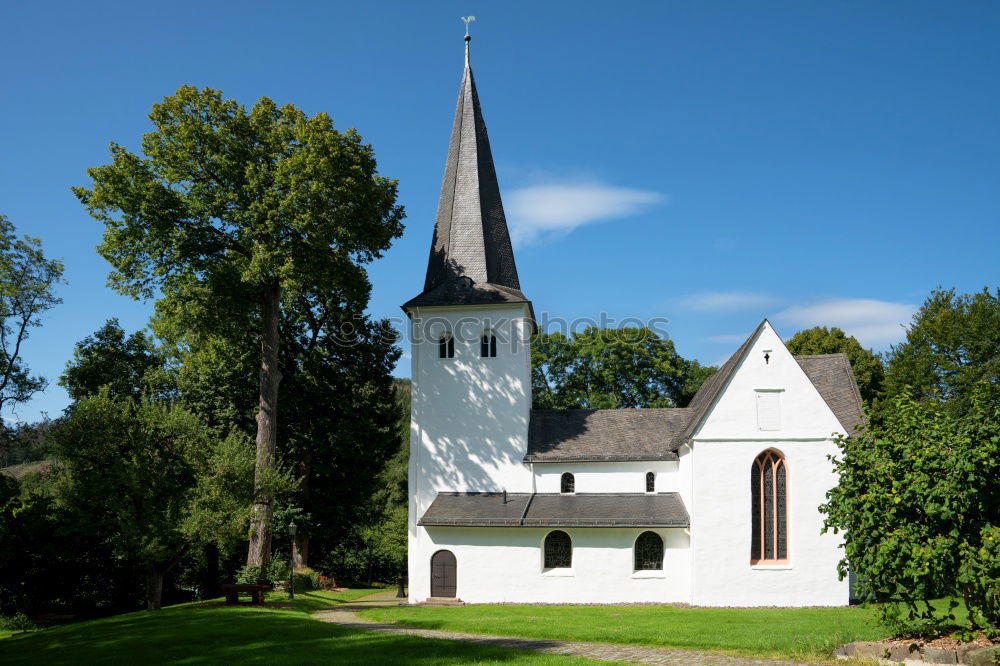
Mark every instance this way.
x=256 y=592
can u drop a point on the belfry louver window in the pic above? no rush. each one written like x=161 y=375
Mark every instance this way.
x=446 y=346
x=488 y=345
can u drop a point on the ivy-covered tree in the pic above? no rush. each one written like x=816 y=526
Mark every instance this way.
x=919 y=506
x=868 y=369
x=952 y=344
x=611 y=368
x=239 y=213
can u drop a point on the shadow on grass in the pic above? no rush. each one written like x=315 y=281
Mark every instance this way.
x=203 y=634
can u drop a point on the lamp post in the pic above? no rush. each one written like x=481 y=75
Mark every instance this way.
x=291 y=562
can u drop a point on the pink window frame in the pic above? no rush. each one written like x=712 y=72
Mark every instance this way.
x=775 y=460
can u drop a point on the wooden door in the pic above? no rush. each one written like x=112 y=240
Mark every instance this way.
x=444 y=574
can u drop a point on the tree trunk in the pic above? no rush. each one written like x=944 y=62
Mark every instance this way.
x=259 y=552
x=300 y=547
x=154 y=587
x=300 y=551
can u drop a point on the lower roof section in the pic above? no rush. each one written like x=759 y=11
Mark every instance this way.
x=556 y=510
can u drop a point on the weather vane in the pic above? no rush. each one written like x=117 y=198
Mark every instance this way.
x=467 y=20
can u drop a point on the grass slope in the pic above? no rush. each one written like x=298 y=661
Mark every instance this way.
x=212 y=633
x=19 y=471
x=794 y=633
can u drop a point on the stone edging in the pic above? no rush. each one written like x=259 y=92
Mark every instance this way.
x=972 y=655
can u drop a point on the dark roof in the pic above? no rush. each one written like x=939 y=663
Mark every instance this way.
x=458 y=292
x=470 y=234
x=832 y=376
x=593 y=435
x=556 y=510
x=710 y=390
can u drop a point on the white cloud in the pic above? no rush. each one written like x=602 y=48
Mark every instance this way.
x=717 y=301
x=537 y=212
x=874 y=323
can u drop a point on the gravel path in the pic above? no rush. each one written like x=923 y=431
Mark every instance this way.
x=347 y=615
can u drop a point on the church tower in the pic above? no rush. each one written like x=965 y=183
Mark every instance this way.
x=470 y=354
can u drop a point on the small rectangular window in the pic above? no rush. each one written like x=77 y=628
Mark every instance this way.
x=769 y=410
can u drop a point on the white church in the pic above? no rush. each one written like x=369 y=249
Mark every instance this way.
x=714 y=504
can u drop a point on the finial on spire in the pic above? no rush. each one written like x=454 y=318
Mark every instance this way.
x=467 y=20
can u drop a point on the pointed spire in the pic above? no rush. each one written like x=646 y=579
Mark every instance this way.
x=471 y=259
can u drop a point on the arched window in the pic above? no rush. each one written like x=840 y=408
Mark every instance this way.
x=488 y=345
x=650 y=482
x=558 y=550
x=649 y=552
x=567 y=484
x=446 y=346
x=769 y=508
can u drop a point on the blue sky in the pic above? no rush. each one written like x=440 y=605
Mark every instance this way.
x=710 y=163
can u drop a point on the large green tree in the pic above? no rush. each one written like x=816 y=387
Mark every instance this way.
x=234 y=212
x=868 y=369
x=919 y=505
x=27 y=282
x=952 y=344
x=605 y=368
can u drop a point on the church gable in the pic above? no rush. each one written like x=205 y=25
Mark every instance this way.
x=763 y=392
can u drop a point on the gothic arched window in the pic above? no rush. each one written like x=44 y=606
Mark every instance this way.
x=649 y=552
x=567 y=484
x=446 y=346
x=488 y=345
x=650 y=482
x=768 y=508
x=558 y=550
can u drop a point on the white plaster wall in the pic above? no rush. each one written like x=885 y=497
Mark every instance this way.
x=723 y=450
x=505 y=564
x=608 y=477
x=469 y=415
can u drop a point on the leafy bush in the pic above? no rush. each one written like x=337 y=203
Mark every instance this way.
x=276 y=571
x=17 y=622
x=307 y=579
x=919 y=504
x=277 y=568
x=926 y=621
x=249 y=575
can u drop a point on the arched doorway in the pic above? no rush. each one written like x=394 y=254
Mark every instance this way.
x=444 y=574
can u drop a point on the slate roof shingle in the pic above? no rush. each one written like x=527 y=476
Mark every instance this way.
x=833 y=377
x=556 y=510
x=471 y=238
x=596 y=435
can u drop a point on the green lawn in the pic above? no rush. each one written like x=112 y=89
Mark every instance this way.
x=212 y=633
x=799 y=633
